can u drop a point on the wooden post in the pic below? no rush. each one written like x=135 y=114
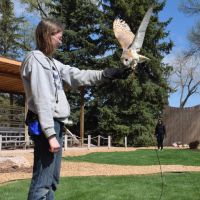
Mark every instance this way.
x=82 y=115
x=89 y=141
x=11 y=109
x=99 y=141
x=65 y=139
x=0 y=142
x=109 y=141
x=125 y=141
x=27 y=139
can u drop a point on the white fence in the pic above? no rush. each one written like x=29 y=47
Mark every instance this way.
x=12 y=131
x=12 y=138
x=15 y=138
x=11 y=116
x=88 y=141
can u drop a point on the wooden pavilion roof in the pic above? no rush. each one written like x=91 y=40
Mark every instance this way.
x=10 y=80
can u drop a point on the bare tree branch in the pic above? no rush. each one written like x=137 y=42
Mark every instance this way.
x=39 y=7
x=190 y=7
x=186 y=76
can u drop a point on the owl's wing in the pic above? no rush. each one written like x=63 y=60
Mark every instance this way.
x=139 y=38
x=123 y=33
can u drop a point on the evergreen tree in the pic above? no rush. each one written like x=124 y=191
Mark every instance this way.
x=120 y=108
x=12 y=41
x=81 y=46
x=40 y=7
x=9 y=30
x=130 y=107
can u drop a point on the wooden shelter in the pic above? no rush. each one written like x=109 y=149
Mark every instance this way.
x=10 y=80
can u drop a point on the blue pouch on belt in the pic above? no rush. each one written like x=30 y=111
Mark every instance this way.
x=34 y=128
x=33 y=124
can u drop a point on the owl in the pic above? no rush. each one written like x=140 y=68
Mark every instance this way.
x=130 y=43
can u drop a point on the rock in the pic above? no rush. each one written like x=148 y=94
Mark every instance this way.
x=18 y=161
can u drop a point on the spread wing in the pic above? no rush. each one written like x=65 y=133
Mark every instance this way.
x=123 y=33
x=139 y=38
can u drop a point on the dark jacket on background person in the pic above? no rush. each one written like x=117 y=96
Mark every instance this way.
x=160 y=133
x=160 y=130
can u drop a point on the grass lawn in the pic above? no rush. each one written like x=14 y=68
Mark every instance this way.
x=142 y=157
x=179 y=186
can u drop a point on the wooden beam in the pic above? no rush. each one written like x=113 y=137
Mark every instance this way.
x=14 y=91
x=9 y=75
x=82 y=115
x=10 y=61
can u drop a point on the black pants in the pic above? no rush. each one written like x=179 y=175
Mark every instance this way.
x=160 y=139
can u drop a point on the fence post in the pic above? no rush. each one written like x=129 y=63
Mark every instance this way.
x=65 y=145
x=89 y=141
x=99 y=141
x=26 y=135
x=125 y=141
x=0 y=142
x=109 y=141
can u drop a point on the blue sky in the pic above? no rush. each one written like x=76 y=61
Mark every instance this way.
x=179 y=28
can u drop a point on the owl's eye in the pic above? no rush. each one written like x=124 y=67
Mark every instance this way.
x=126 y=59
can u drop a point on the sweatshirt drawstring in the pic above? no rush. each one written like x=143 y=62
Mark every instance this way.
x=55 y=78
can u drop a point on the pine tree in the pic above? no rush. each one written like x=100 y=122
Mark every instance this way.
x=81 y=46
x=40 y=7
x=131 y=107
x=11 y=37
x=119 y=108
x=9 y=30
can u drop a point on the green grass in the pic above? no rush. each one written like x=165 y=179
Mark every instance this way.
x=142 y=157
x=179 y=186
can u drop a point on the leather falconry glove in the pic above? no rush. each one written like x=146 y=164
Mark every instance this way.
x=117 y=73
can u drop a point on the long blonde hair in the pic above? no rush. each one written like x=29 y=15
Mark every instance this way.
x=45 y=29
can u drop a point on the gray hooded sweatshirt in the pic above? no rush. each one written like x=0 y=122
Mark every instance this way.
x=43 y=79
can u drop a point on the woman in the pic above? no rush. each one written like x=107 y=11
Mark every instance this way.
x=160 y=133
x=43 y=78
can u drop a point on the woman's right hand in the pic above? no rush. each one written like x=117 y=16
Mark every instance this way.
x=54 y=145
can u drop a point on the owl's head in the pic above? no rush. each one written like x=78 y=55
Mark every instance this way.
x=126 y=58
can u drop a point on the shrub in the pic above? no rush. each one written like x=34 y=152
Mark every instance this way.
x=143 y=140
x=194 y=144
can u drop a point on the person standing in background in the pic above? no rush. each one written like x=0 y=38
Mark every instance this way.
x=160 y=133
